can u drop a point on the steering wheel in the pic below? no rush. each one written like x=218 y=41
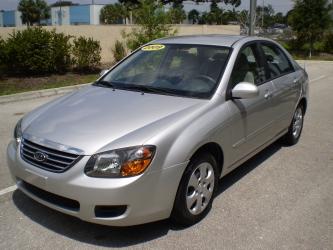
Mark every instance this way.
x=208 y=80
x=167 y=81
x=205 y=84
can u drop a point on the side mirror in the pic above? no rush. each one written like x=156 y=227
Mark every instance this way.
x=103 y=72
x=245 y=90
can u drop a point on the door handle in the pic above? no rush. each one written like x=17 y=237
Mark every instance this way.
x=296 y=80
x=268 y=94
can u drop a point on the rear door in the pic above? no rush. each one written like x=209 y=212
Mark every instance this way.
x=286 y=85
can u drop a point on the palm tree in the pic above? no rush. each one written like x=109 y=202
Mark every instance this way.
x=113 y=13
x=33 y=11
x=193 y=15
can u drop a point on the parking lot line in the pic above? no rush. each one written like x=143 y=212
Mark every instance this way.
x=8 y=190
x=318 y=78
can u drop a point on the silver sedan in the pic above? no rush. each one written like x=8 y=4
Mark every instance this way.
x=152 y=136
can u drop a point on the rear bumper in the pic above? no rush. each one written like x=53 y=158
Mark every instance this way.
x=145 y=198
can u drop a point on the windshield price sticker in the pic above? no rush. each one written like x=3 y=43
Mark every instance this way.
x=153 y=47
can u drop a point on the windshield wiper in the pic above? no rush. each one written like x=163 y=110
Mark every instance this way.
x=138 y=88
x=104 y=84
x=147 y=89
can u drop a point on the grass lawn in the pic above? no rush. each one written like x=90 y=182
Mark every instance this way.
x=324 y=57
x=12 y=85
x=315 y=58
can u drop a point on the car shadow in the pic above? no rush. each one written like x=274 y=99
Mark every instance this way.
x=107 y=236
x=247 y=167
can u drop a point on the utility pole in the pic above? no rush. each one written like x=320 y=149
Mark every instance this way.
x=60 y=10
x=253 y=6
x=262 y=14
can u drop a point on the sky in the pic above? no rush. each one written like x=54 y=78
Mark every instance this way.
x=278 y=5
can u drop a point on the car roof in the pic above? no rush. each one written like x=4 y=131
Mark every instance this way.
x=217 y=40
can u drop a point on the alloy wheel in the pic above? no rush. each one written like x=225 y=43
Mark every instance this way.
x=297 y=122
x=200 y=188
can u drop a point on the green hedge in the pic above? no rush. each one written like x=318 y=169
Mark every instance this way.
x=2 y=57
x=36 y=51
x=86 y=54
x=118 y=51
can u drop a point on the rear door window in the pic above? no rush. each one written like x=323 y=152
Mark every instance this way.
x=278 y=63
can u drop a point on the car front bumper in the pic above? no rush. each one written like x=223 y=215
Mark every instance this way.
x=146 y=198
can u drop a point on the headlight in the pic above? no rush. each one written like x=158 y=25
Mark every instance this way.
x=18 y=132
x=120 y=162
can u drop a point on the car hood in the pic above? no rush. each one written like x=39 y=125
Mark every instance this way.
x=93 y=117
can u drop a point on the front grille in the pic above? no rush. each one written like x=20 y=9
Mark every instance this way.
x=55 y=160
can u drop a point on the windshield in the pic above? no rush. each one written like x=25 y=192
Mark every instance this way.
x=173 y=69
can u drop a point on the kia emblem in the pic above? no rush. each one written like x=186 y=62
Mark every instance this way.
x=40 y=156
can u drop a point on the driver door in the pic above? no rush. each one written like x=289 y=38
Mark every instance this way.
x=251 y=118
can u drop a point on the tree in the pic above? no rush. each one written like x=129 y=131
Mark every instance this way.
x=280 y=18
x=63 y=3
x=234 y=3
x=266 y=15
x=309 y=19
x=153 y=23
x=33 y=11
x=193 y=16
x=137 y=2
x=229 y=16
x=113 y=14
x=244 y=20
x=177 y=13
x=288 y=15
x=130 y=2
x=215 y=14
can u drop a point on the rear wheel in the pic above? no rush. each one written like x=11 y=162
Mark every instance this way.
x=295 y=128
x=196 y=190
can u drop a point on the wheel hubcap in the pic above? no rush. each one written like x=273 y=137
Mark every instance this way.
x=200 y=188
x=297 y=122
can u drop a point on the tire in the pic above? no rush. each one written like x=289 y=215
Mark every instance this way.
x=295 y=128
x=196 y=190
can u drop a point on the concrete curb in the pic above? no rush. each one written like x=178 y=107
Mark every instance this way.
x=313 y=61
x=39 y=93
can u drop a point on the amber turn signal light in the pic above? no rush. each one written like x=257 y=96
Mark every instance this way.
x=136 y=166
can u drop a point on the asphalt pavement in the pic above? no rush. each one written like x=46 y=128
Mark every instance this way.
x=280 y=199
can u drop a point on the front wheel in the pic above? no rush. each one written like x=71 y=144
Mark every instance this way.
x=196 y=190
x=295 y=128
